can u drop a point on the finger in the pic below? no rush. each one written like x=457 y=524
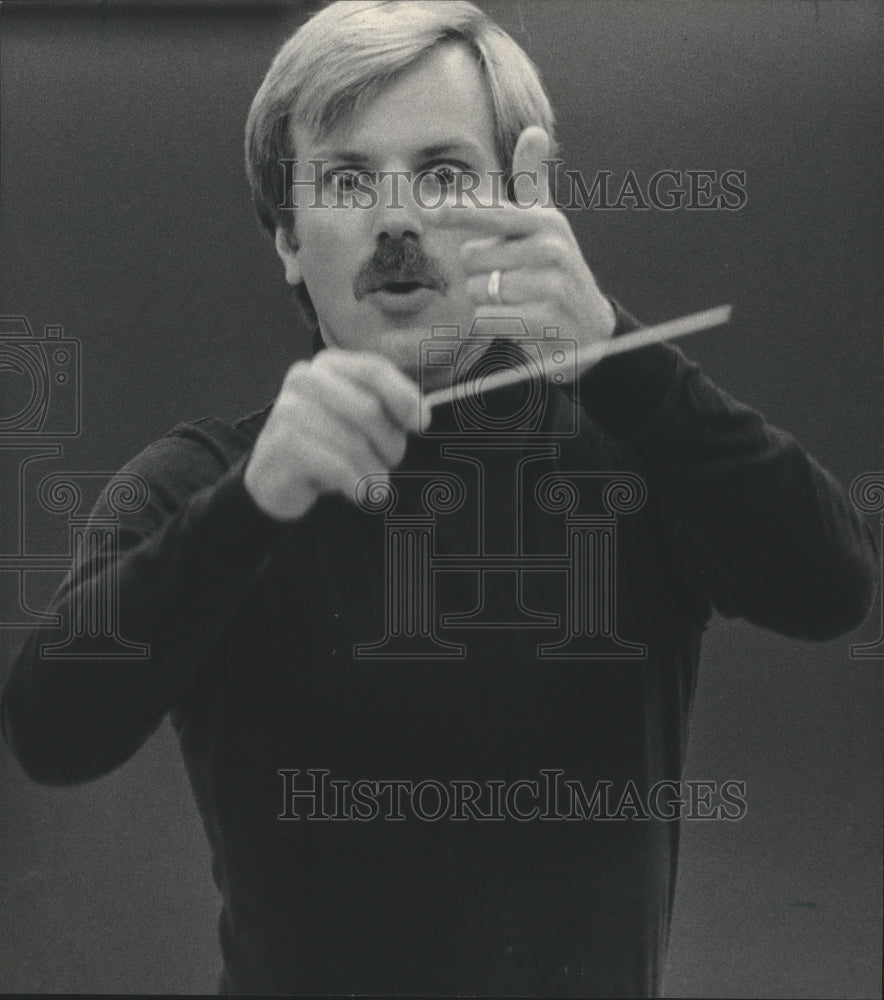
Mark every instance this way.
x=331 y=462
x=397 y=393
x=486 y=255
x=334 y=474
x=326 y=407
x=323 y=454
x=530 y=172
x=334 y=471
x=498 y=220
x=353 y=420
x=516 y=287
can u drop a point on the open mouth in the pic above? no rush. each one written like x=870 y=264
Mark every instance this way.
x=401 y=287
x=402 y=295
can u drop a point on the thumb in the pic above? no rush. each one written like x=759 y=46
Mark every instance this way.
x=530 y=172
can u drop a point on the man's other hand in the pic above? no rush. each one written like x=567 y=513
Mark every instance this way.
x=544 y=278
x=339 y=417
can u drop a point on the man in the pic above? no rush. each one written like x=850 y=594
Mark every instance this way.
x=264 y=582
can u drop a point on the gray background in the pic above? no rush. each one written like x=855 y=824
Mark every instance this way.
x=125 y=217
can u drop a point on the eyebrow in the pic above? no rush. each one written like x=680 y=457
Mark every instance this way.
x=445 y=147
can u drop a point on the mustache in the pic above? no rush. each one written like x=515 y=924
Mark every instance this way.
x=398 y=259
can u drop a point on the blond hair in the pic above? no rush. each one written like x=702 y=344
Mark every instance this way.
x=344 y=55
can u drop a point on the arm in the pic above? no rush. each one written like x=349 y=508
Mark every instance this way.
x=218 y=503
x=184 y=562
x=759 y=526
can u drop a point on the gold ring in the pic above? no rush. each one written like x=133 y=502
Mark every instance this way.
x=494 y=288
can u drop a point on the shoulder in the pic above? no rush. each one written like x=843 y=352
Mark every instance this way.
x=191 y=457
x=224 y=441
x=209 y=443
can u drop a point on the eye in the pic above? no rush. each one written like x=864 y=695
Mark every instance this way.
x=437 y=182
x=346 y=179
x=444 y=174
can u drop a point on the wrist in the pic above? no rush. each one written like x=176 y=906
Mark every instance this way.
x=623 y=393
x=277 y=501
x=604 y=327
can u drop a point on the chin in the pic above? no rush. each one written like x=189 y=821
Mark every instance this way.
x=401 y=346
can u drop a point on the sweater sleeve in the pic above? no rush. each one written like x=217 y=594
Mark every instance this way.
x=184 y=561
x=758 y=525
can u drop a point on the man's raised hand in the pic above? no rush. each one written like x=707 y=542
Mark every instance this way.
x=544 y=278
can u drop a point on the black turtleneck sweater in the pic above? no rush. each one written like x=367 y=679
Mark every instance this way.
x=258 y=635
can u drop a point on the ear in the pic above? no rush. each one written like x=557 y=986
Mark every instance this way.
x=288 y=254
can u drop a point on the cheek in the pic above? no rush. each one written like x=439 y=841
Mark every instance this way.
x=330 y=251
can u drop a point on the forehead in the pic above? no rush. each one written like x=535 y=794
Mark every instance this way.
x=441 y=100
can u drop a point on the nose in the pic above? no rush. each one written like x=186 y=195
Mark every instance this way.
x=397 y=213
